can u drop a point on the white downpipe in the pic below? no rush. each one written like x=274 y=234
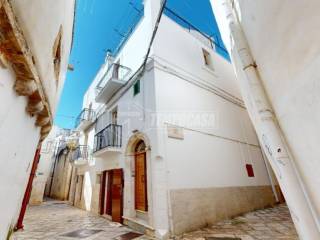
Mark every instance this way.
x=268 y=130
x=271 y=179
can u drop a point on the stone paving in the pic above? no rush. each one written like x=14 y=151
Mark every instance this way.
x=272 y=224
x=54 y=219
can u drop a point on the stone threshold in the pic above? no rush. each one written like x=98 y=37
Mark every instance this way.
x=139 y=225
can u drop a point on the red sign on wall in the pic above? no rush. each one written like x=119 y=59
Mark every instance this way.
x=250 y=170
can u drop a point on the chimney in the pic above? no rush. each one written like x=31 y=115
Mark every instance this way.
x=151 y=10
x=109 y=58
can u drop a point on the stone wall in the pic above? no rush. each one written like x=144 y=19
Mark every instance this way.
x=196 y=208
x=79 y=193
x=38 y=188
x=61 y=179
x=95 y=202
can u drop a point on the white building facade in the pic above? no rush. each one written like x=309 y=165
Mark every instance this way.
x=58 y=144
x=47 y=153
x=35 y=45
x=279 y=38
x=173 y=148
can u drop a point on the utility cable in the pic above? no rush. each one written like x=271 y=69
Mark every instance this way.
x=153 y=35
x=141 y=69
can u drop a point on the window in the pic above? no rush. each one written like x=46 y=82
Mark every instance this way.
x=57 y=55
x=207 y=59
x=116 y=68
x=136 y=88
x=114 y=116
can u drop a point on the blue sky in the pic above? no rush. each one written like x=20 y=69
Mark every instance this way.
x=100 y=25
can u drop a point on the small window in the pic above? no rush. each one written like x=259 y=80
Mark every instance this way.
x=136 y=88
x=116 y=69
x=57 y=55
x=207 y=58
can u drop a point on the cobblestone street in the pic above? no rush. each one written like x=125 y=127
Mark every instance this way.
x=272 y=224
x=59 y=221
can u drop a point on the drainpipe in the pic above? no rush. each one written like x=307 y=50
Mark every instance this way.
x=268 y=129
x=27 y=193
x=266 y=163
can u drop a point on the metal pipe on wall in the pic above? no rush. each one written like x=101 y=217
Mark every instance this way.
x=27 y=194
x=267 y=127
x=269 y=171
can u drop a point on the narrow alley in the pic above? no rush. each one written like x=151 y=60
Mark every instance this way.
x=159 y=119
x=58 y=220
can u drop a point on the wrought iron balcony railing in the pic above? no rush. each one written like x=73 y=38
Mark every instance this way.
x=213 y=41
x=87 y=115
x=110 y=136
x=82 y=154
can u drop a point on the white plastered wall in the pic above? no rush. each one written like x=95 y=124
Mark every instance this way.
x=39 y=22
x=17 y=152
x=284 y=42
x=45 y=164
x=179 y=92
x=171 y=160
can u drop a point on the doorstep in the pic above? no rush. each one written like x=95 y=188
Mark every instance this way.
x=139 y=225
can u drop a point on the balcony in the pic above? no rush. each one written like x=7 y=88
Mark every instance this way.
x=108 y=140
x=81 y=155
x=85 y=119
x=116 y=76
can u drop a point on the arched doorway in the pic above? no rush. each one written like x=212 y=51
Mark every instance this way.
x=140 y=163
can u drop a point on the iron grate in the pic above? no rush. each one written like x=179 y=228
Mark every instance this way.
x=81 y=233
x=128 y=236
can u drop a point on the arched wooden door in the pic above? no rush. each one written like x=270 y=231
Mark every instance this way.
x=141 y=199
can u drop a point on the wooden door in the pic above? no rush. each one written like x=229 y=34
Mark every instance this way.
x=72 y=188
x=79 y=189
x=116 y=195
x=102 y=192
x=108 y=198
x=141 y=202
x=105 y=193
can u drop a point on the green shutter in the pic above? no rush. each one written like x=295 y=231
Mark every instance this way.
x=136 y=88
